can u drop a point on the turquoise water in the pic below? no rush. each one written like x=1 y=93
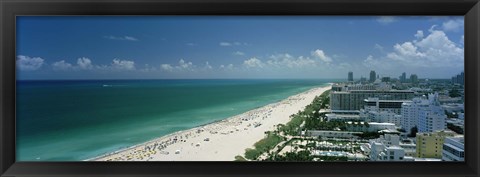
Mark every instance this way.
x=77 y=120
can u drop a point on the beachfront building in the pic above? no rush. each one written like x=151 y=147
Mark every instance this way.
x=348 y=87
x=433 y=118
x=430 y=145
x=355 y=99
x=332 y=134
x=344 y=117
x=381 y=117
x=426 y=114
x=454 y=149
x=410 y=111
x=375 y=104
x=370 y=126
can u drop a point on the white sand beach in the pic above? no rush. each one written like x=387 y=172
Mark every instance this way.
x=219 y=141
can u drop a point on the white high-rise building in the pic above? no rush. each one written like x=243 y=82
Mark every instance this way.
x=410 y=111
x=426 y=115
x=433 y=118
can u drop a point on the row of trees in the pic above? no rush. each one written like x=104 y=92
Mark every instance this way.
x=264 y=145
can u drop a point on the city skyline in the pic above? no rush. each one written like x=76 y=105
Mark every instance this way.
x=230 y=47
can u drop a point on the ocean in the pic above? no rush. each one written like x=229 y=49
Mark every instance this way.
x=77 y=120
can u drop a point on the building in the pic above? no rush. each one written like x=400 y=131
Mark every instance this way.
x=432 y=119
x=425 y=114
x=459 y=79
x=363 y=79
x=370 y=127
x=387 y=117
x=403 y=77
x=409 y=146
x=381 y=152
x=348 y=87
x=454 y=149
x=454 y=107
x=389 y=147
x=350 y=76
x=414 y=78
x=372 y=76
x=385 y=79
x=355 y=99
x=430 y=145
x=375 y=104
x=410 y=111
x=332 y=134
x=344 y=117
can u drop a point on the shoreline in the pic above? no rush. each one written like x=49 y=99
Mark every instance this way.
x=230 y=136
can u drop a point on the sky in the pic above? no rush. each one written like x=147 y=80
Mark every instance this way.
x=227 y=47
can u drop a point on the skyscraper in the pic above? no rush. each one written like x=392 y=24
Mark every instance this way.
x=350 y=76
x=459 y=79
x=403 y=77
x=372 y=76
x=413 y=78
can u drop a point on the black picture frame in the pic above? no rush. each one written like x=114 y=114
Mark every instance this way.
x=12 y=8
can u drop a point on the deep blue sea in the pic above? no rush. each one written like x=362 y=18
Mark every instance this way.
x=77 y=120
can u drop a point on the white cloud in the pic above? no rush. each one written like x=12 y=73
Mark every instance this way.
x=386 y=19
x=280 y=62
x=182 y=66
x=432 y=28
x=123 y=64
x=121 y=38
x=253 y=63
x=208 y=66
x=378 y=47
x=419 y=34
x=84 y=63
x=405 y=51
x=227 y=67
x=26 y=63
x=462 y=39
x=435 y=50
x=148 y=68
x=61 y=65
x=225 y=44
x=288 y=61
x=453 y=25
x=238 y=53
x=370 y=62
x=322 y=56
x=166 y=67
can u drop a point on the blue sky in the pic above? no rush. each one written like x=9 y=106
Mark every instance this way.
x=159 y=47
